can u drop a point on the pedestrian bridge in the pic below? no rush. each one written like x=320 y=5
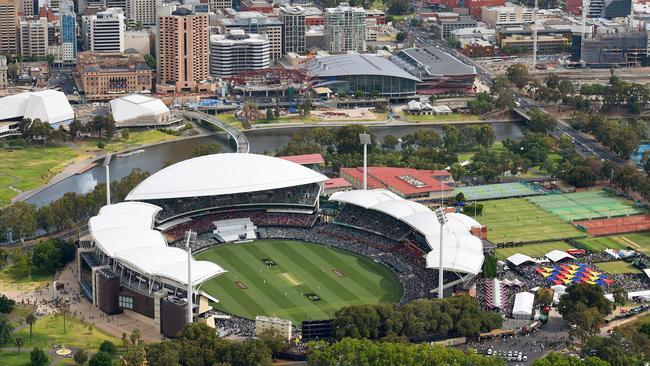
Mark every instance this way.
x=240 y=139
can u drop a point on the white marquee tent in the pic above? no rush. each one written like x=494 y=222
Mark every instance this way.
x=523 y=307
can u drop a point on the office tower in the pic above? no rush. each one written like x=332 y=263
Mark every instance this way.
x=253 y=22
x=68 y=33
x=33 y=38
x=142 y=12
x=294 y=29
x=345 y=28
x=8 y=27
x=106 y=31
x=183 y=49
x=237 y=52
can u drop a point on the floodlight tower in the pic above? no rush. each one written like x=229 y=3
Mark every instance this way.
x=442 y=219
x=189 y=237
x=107 y=163
x=364 y=138
x=535 y=34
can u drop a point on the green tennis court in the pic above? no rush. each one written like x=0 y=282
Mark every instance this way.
x=295 y=280
x=585 y=205
x=494 y=191
x=517 y=220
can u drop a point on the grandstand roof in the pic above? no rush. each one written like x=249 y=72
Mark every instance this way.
x=49 y=106
x=135 y=106
x=124 y=231
x=524 y=302
x=558 y=255
x=398 y=179
x=305 y=159
x=220 y=174
x=519 y=259
x=462 y=251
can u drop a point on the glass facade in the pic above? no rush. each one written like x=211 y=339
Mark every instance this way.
x=69 y=26
x=387 y=86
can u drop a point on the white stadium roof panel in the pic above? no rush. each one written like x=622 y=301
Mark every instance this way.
x=123 y=220
x=365 y=199
x=221 y=174
x=112 y=241
x=468 y=221
x=138 y=208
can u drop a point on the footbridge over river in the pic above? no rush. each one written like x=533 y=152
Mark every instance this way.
x=240 y=139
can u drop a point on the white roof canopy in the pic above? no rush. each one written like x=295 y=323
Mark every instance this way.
x=49 y=106
x=221 y=174
x=462 y=251
x=523 y=304
x=558 y=255
x=135 y=106
x=519 y=259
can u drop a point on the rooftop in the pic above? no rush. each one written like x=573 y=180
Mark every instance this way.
x=305 y=159
x=355 y=64
x=404 y=180
x=431 y=61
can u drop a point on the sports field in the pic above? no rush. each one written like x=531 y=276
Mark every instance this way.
x=494 y=191
x=517 y=220
x=617 y=267
x=636 y=241
x=295 y=280
x=585 y=205
x=533 y=250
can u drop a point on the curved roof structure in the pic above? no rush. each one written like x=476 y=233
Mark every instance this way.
x=124 y=232
x=462 y=251
x=523 y=305
x=136 y=106
x=49 y=106
x=220 y=174
x=354 y=64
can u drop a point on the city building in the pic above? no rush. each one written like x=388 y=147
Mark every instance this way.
x=507 y=14
x=448 y=25
x=140 y=111
x=281 y=327
x=253 y=22
x=294 y=29
x=236 y=52
x=49 y=106
x=106 y=31
x=476 y=6
x=33 y=38
x=378 y=16
x=476 y=42
x=104 y=76
x=139 y=41
x=215 y=5
x=611 y=49
x=425 y=186
x=68 y=32
x=609 y=9
x=182 y=50
x=366 y=73
x=28 y=8
x=345 y=28
x=438 y=71
x=313 y=16
x=142 y=12
x=4 y=80
x=261 y=6
x=546 y=44
x=8 y=27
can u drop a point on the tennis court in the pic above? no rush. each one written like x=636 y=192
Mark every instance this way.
x=495 y=191
x=517 y=220
x=586 y=205
x=617 y=225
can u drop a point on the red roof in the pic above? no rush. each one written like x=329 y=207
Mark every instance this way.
x=305 y=159
x=405 y=180
x=337 y=183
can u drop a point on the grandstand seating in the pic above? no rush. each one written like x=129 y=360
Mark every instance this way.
x=373 y=221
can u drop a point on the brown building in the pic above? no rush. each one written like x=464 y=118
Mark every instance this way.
x=182 y=51
x=107 y=76
x=8 y=27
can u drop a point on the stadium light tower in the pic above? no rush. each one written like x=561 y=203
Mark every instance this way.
x=189 y=237
x=364 y=138
x=442 y=219
x=107 y=163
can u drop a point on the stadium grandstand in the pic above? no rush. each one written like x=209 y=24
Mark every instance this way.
x=135 y=261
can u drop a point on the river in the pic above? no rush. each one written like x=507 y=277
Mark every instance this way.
x=156 y=157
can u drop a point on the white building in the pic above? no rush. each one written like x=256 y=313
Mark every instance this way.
x=142 y=12
x=139 y=110
x=237 y=51
x=33 y=37
x=508 y=14
x=345 y=28
x=294 y=29
x=48 y=106
x=106 y=31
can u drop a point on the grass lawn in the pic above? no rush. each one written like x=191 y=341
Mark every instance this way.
x=49 y=329
x=20 y=312
x=13 y=358
x=642 y=241
x=516 y=219
x=441 y=118
x=136 y=138
x=496 y=148
x=230 y=119
x=9 y=281
x=533 y=250
x=636 y=241
x=29 y=167
x=617 y=267
x=336 y=278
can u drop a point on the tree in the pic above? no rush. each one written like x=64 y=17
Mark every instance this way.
x=451 y=137
x=63 y=309
x=481 y=104
x=250 y=111
x=125 y=133
x=541 y=122
x=20 y=217
x=101 y=359
x=557 y=359
x=165 y=353
x=273 y=340
x=486 y=136
x=389 y=142
x=269 y=114
x=620 y=296
x=30 y=319
x=401 y=36
x=46 y=257
x=518 y=75
x=108 y=347
x=134 y=353
x=6 y=304
x=80 y=357
x=585 y=306
x=150 y=61
x=544 y=296
x=21 y=266
x=5 y=329
x=38 y=357
x=49 y=58
x=207 y=149
x=19 y=343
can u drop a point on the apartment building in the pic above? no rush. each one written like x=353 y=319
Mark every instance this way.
x=345 y=28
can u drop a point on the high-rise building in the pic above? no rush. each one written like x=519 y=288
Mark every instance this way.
x=28 y=8
x=236 y=52
x=294 y=29
x=253 y=22
x=68 y=23
x=4 y=82
x=142 y=12
x=8 y=27
x=609 y=8
x=219 y=4
x=183 y=49
x=106 y=31
x=345 y=28
x=33 y=38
